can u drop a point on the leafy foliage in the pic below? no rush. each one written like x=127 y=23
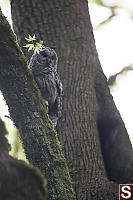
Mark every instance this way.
x=114 y=7
x=33 y=45
x=112 y=79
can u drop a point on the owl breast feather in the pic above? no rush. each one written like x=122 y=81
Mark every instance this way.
x=48 y=87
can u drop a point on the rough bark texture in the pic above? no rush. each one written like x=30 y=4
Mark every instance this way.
x=65 y=26
x=88 y=105
x=116 y=146
x=28 y=111
x=88 y=108
x=18 y=180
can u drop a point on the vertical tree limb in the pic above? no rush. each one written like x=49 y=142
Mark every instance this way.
x=29 y=114
x=65 y=26
x=18 y=180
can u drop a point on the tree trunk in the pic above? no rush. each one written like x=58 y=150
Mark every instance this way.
x=16 y=176
x=28 y=111
x=88 y=109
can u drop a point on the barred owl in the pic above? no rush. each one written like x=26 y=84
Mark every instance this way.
x=44 y=69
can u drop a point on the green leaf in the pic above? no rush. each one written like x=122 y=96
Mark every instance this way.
x=36 y=50
x=31 y=47
x=30 y=39
x=28 y=45
x=36 y=47
x=41 y=42
x=39 y=45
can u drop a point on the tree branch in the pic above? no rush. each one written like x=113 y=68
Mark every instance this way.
x=16 y=176
x=29 y=113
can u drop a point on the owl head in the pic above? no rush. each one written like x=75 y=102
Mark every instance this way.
x=45 y=61
x=48 y=57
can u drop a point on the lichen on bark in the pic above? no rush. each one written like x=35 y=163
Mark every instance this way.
x=29 y=114
x=16 y=175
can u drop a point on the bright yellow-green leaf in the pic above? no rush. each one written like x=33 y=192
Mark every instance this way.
x=29 y=45
x=41 y=42
x=34 y=37
x=36 y=47
x=30 y=39
x=36 y=50
x=39 y=45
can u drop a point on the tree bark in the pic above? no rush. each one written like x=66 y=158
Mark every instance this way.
x=28 y=111
x=88 y=108
x=18 y=180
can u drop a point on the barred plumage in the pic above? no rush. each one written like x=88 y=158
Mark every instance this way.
x=44 y=69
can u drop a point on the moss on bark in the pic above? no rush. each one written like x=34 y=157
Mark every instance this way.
x=29 y=113
x=18 y=180
x=65 y=26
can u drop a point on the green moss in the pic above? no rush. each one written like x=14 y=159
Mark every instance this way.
x=8 y=44
x=29 y=113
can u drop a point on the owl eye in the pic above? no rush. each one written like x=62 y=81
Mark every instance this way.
x=43 y=54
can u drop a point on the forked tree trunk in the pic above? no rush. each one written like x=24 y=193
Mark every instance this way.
x=29 y=114
x=88 y=108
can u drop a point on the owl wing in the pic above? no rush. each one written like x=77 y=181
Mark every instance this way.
x=55 y=109
x=59 y=96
